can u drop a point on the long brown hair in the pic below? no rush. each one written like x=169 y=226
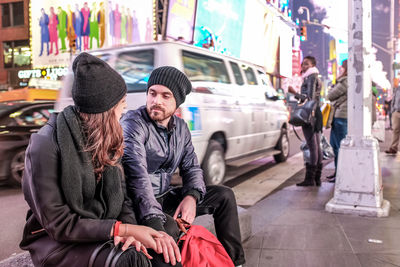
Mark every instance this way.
x=104 y=139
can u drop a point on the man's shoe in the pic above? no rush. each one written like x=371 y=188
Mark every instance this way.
x=391 y=151
x=331 y=176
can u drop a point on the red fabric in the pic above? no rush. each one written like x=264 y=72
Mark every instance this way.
x=202 y=249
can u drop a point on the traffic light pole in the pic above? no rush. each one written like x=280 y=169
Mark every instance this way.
x=358 y=188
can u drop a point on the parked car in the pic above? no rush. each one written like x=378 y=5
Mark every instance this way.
x=234 y=114
x=18 y=120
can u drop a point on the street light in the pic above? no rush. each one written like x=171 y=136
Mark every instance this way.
x=301 y=11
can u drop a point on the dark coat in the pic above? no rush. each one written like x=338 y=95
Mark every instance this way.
x=311 y=87
x=52 y=227
x=151 y=156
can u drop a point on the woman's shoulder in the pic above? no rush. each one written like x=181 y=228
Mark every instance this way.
x=45 y=138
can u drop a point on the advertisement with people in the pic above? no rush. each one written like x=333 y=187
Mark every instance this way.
x=62 y=28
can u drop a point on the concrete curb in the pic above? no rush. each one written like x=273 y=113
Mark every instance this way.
x=24 y=259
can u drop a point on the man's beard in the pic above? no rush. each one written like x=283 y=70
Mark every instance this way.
x=158 y=113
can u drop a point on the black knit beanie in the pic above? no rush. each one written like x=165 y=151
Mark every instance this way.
x=97 y=87
x=174 y=79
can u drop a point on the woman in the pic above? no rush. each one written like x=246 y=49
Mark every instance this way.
x=310 y=90
x=338 y=96
x=73 y=181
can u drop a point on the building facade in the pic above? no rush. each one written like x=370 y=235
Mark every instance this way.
x=15 y=53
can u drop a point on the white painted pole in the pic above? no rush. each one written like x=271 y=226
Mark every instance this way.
x=358 y=188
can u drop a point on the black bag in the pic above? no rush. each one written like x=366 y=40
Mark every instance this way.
x=303 y=113
x=114 y=254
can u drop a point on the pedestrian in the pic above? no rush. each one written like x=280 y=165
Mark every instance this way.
x=156 y=143
x=73 y=180
x=310 y=90
x=388 y=112
x=338 y=96
x=395 y=109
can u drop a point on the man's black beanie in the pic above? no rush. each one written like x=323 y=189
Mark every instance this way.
x=97 y=87
x=174 y=80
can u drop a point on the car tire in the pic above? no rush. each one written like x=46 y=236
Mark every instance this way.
x=213 y=165
x=283 y=146
x=17 y=166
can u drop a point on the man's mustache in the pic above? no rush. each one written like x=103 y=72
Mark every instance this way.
x=157 y=107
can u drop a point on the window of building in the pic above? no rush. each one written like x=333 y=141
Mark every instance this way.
x=8 y=54
x=16 y=54
x=12 y=14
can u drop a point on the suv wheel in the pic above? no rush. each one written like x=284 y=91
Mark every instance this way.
x=214 y=164
x=17 y=167
x=283 y=146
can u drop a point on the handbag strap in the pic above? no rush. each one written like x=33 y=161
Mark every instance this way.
x=297 y=135
x=97 y=251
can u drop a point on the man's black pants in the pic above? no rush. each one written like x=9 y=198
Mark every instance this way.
x=221 y=203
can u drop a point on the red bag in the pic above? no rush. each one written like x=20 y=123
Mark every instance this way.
x=201 y=248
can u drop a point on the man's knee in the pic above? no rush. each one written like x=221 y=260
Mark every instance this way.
x=223 y=192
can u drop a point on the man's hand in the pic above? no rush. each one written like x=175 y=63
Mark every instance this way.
x=187 y=209
x=168 y=247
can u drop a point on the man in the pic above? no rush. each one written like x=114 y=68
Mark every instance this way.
x=156 y=143
x=395 y=109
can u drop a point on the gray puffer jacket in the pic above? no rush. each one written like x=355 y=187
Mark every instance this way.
x=338 y=95
x=152 y=154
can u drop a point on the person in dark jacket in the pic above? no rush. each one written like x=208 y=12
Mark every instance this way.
x=157 y=143
x=73 y=180
x=338 y=96
x=310 y=90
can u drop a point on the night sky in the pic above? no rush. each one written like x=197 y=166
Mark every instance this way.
x=317 y=39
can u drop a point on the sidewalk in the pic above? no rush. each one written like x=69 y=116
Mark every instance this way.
x=291 y=227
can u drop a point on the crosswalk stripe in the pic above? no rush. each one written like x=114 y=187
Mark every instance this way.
x=253 y=190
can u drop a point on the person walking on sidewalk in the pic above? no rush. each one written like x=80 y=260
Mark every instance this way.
x=156 y=143
x=73 y=180
x=395 y=109
x=311 y=89
x=338 y=96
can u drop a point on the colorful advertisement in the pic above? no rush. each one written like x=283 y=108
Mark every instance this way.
x=180 y=25
x=62 y=28
x=219 y=25
x=261 y=31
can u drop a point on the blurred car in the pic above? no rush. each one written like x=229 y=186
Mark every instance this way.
x=18 y=120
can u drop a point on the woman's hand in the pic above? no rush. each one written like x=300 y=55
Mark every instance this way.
x=143 y=234
x=128 y=241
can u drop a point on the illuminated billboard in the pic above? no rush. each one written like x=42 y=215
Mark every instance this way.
x=219 y=25
x=181 y=20
x=62 y=28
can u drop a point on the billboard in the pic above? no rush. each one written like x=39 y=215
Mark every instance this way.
x=181 y=20
x=62 y=28
x=219 y=25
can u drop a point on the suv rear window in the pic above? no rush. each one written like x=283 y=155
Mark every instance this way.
x=204 y=68
x=135 y=67
x=251 y=77
x=237 y=73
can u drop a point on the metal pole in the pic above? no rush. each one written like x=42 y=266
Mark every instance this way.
x=392 y=46
x=358 y=188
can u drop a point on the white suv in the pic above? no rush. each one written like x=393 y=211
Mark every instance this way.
x=233 y=111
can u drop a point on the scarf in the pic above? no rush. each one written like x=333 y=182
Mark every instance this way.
x=310 y=71
x=102 y=200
